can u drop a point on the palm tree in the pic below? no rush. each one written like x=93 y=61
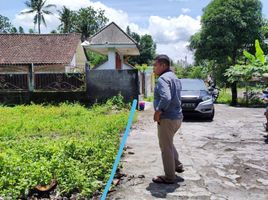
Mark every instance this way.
x=66 y=17
x=40 y=9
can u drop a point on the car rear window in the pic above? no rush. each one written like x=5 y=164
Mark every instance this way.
x=193 y=84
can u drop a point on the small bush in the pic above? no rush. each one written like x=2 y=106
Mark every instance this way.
x=117 y=102
x=225 y=96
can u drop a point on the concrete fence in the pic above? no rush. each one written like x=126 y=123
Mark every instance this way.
x=103 y=84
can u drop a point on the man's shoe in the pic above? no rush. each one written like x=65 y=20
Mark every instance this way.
x=179 y=169
x=163 y=180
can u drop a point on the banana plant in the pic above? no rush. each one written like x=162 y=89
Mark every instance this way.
x=245 y=72
x=259 y=57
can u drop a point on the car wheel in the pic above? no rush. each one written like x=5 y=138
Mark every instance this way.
x=211 y=116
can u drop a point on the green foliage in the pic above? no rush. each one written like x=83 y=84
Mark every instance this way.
x=5 y=24
x=201 y=71
x=66 y=17
x=70 y=143
x=146 y=46
x=227 y=27
x=13 y=30
x=141 y=68
x=39 y=8
x=95 y=59
x=21 y=30
x=149 y=99
x=88 y=21
x=31 y=31
x=254 y=68
x=253 y=99
x=225 y=96
x=180 y=71
x=117 y=102
x=197 y=72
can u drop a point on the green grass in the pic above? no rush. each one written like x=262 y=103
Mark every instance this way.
x=225 y=97
x=149 y=99
x=70 y=143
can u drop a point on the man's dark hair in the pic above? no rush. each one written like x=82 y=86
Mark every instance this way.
x=163 y=59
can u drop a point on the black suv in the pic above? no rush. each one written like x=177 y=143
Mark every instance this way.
x=196 y=99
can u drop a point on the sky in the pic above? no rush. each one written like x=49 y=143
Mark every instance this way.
x=170 y=22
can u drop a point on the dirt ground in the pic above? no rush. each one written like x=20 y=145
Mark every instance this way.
x=224 y=159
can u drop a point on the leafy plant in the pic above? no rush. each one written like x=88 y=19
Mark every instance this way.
x=141 y=68
x=246 y=72
x=69 y=143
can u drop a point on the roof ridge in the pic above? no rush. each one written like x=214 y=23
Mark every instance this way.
x=37 y=34
x=104 y=27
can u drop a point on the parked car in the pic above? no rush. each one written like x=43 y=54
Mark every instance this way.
x=196 y=99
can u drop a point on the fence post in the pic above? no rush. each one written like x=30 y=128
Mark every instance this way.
x=31 y=77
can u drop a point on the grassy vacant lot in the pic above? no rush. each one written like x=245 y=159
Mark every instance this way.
x=70 y=143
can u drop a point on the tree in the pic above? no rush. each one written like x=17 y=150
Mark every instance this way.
x=147 y=49
x=13 y=30
x=53 y=31
x=21 y=30
x=227 y=28
x=264 y=30
x=88 y=21
x=5 y=25
x=40 y=9
x=67 y=20
x=31 y=31
x=146 y=46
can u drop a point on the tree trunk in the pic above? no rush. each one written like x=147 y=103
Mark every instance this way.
x=234 y=94
x=234 y=85
x=39 y=23
x=247 y=99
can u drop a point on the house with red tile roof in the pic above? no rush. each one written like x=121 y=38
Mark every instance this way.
x=45 y=52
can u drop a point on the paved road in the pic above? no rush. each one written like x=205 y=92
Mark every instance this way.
x=224 y=159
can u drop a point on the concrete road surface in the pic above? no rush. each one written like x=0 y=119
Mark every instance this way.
x=224 y=159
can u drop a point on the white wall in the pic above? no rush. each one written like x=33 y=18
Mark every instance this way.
x=110 y=64
x=124 y=66
x=111 y=57
x=105 y=65
x=73 y=63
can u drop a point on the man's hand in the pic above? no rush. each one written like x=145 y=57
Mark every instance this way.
x=157 y=116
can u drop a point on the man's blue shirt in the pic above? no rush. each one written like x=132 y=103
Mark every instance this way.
x=167 y=96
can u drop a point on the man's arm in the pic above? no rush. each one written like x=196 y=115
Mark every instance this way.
x=163 y=90
x=165 y=95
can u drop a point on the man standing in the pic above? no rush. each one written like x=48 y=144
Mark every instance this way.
x=168 y=115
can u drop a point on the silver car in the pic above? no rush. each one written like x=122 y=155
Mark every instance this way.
x=196 y=99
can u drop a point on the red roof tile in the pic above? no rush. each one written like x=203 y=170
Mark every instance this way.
x=38 y=48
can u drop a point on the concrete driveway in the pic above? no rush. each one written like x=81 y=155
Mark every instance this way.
x=224 y=159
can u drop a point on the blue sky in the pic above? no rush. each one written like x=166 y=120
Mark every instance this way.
x=170 y=22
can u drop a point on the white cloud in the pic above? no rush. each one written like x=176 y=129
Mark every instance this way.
x=118 y=16
x=185 y=10
x=173 y=29
x=171 y=34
